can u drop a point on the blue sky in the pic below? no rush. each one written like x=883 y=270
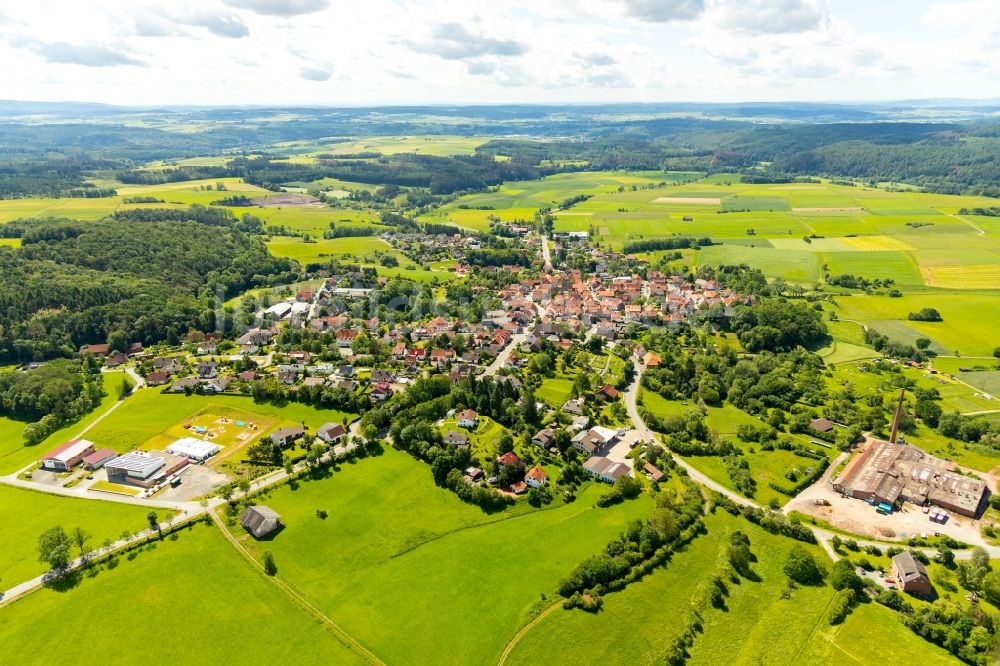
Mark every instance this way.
x=337 y=52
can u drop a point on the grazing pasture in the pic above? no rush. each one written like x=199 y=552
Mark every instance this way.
x=409 y=555
x=196 y=578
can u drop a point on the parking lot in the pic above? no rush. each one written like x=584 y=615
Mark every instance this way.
x=620 y=450
x=859 y=517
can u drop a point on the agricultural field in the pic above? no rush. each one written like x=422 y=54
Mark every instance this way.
x=319 y=250
x=401 y=546
x=441 y=145
x=28 y=513
x=197 y=577
x=971 y=318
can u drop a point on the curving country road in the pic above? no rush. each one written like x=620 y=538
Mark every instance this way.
x=822 y=536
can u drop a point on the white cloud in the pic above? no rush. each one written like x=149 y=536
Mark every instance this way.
x=280 y=7
x=86 y=55
x=660 y=11
x=762 y=17
x=316 y=73
x=439 y=51
x=453 y=41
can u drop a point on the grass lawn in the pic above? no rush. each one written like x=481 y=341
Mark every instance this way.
x=197 y=578
x=150 y=413
x=554 y=391
x=399 y=552
x=28 y=513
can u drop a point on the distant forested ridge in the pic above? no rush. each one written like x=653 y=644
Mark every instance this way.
x=771 y=141
x=72 y=283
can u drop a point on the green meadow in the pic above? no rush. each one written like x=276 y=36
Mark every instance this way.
x=639 y=624
x=396 y=551
x=197 y=578
x=28 y=513
x=149 y=413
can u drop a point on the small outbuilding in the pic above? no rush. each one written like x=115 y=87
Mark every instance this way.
x=822 y=425
x=260 y=521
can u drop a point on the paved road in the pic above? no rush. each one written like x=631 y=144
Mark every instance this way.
x=631 y=407
x=35 y=583
x=823 y=536
x=545 y=253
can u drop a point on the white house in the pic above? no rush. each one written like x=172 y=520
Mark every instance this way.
x=536 y=478
x=193 y=449
x=468 y=419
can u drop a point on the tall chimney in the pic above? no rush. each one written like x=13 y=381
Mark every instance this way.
x=898 y=417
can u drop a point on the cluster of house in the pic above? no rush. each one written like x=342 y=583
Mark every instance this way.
x=609 y=303
x=593 y=443
x=113 y=359
x=536 y=477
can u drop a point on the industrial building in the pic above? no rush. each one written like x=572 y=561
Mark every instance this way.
x=197 y=450
x=67 y=456
x=891 y=472
x=144 y=469
x=894 y=473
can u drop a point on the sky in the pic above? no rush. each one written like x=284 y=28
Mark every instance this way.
x=370 y=52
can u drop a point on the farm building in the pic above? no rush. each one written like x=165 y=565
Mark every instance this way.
x=98 y=458
x=886 y=472
x=260 y=521
x=194 y=449
x=910 y=574
x=605 y=470
x=67 y=456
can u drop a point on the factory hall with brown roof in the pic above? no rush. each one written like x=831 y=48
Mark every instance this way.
x=886 y=472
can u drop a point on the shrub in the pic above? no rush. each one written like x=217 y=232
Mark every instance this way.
x=270 y=568
x=802 y=568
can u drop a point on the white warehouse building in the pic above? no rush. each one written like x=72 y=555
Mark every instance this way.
x=194 y=449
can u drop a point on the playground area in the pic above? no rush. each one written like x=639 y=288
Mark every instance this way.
x=232 y=429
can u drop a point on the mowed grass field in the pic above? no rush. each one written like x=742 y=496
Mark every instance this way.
x=451 y=582
x=149 y=414
x=28 y=513
x=189 y=601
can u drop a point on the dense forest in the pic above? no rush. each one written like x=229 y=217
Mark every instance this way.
x=51 y=159
x=73 y=283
